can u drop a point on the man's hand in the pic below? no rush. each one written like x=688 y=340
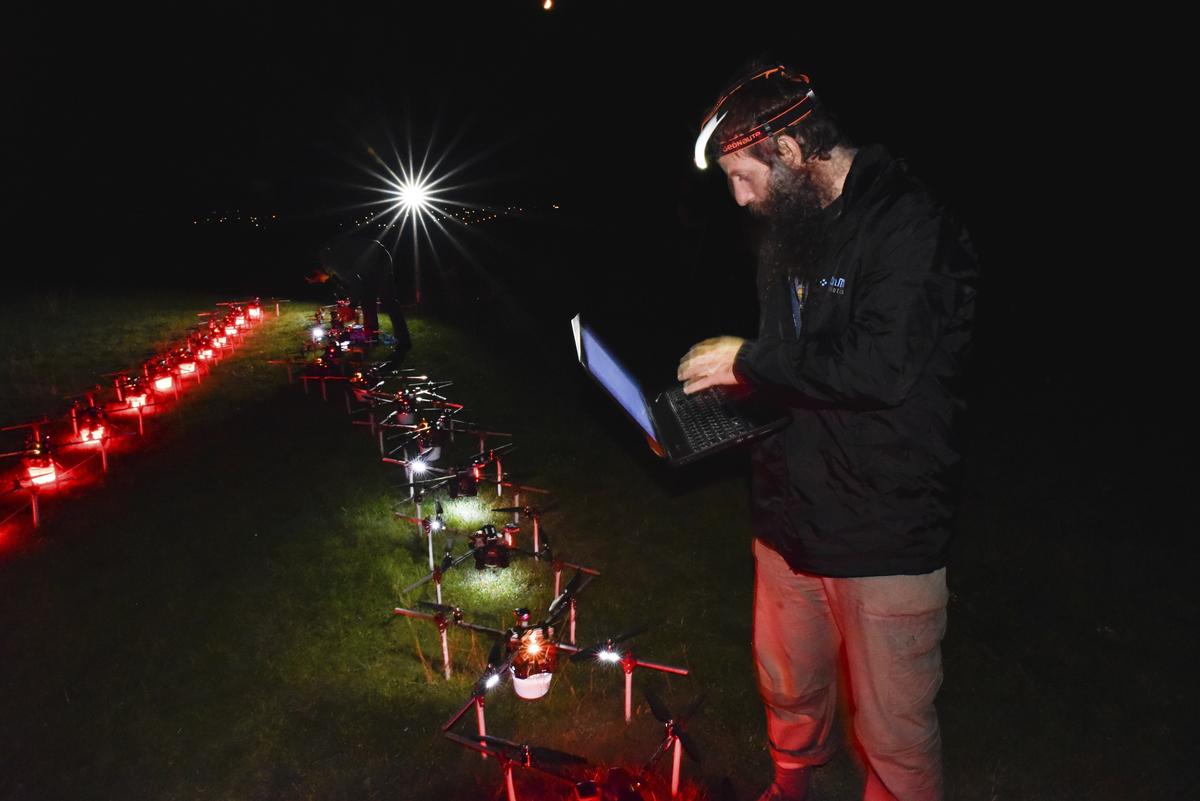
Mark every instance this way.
x=709 y=364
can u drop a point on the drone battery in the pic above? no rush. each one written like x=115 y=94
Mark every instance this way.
x=489 y=548
x=494 y=555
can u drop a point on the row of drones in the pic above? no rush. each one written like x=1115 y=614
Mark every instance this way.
x=420 y=430
x=98 y=417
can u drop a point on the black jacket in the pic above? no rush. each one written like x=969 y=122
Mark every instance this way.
x=866 y=478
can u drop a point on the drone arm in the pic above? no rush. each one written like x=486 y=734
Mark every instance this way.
x=678 y=671
x=399 y=610
x=474 y=745
x=480 y=629
x=457 y=716
x=418 y=583
x=586 y=570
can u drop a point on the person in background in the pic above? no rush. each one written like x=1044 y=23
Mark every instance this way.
x=362 y=269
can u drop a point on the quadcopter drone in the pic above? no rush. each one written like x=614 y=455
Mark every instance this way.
x=36 y=456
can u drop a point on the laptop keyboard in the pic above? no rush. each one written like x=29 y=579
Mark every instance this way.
x=704 y=419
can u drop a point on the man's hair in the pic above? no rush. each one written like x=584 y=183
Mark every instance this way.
x=754 y=100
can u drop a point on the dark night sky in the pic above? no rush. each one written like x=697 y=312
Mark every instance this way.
x=183 y=110
x=130 y=124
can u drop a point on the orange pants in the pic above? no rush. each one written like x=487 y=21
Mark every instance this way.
x=890 y=629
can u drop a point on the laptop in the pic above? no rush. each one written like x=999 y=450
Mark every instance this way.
x=681 y=428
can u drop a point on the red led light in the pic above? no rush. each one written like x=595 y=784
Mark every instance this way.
x=42 y=474
x=231 y=330
x=164 y=384
x=205 y=354
x=135 y=401
x=187 y=367
x=92 y=434
x=254 y=312
x=240 y=321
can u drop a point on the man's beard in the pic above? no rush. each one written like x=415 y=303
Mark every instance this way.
x=791 y=229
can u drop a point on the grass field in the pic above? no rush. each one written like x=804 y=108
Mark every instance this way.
x=213 y=621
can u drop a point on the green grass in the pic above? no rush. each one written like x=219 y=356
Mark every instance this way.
x=213 y=622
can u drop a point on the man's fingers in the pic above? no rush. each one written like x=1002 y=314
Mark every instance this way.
x=690 y=368
x=704 y=382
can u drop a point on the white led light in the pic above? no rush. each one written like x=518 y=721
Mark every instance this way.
x=419 y=467
x=609 y=656
x=492 y=681
x=702 y=140
x=318 y=333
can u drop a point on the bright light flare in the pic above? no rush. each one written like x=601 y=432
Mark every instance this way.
x=419 y=467
x=231 y=330
x=435 y=525
x=240 y=321
x=254 y=312
x=411 y=196
x=318 y=333
x=492 y=681
x=608 y=655
x=164 y=383
x=187 y=368
x=135 y=401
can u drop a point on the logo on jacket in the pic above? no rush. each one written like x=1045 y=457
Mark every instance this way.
x=835 y=285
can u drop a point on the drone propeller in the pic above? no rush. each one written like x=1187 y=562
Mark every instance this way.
x=489 y=454
x=562 y=603
x=497 y=667
x=453 y=611
x=448 y=561
x=527 y=753
x=429 y=523
x=592 y=651
x=675 y=726
x=528 y=511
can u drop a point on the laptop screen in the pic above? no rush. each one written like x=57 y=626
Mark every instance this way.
x=614 y=377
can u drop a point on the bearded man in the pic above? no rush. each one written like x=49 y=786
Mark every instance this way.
x=866 y=288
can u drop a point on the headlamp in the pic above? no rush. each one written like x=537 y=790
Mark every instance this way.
x=778 y=121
